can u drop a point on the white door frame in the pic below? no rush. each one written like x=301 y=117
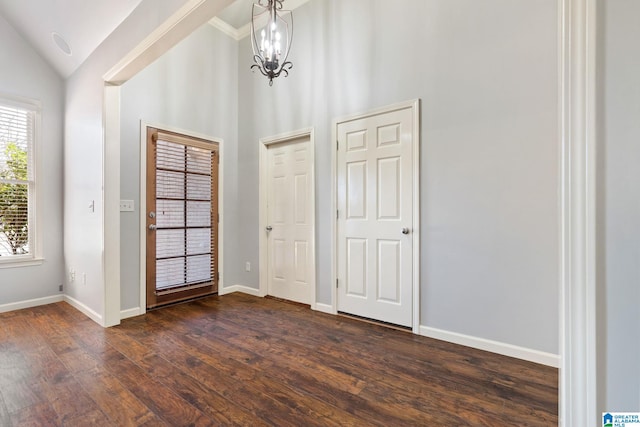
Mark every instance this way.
x=578 y=397
x=415 y=226
x=142 y=309
x=263 y=213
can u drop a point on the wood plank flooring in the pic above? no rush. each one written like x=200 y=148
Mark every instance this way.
x=241 y=360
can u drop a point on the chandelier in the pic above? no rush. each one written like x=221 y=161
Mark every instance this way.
x=271 y=35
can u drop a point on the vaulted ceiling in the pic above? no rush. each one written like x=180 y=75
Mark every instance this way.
x=66 y=32
x=82 y=24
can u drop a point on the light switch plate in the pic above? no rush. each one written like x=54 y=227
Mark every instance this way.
x=126 y=206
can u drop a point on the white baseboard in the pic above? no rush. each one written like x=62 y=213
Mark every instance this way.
x=548 y=359
x=131 y=312
x=30 y=303
x=84 y=309
x=240 y=288
x=324 y=308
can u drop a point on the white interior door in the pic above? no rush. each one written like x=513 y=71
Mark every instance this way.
x=290 y=247
x=375 y=226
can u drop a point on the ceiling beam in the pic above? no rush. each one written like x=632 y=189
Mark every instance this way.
x=192 y=15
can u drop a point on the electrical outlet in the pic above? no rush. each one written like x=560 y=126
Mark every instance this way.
x=72 y=275
x=60 y=288
x=84 y=278
x=247 y=266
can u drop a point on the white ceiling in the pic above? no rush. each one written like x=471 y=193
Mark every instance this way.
x=238 y=13
x=84 y=24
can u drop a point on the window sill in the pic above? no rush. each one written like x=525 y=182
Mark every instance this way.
x=16 y=263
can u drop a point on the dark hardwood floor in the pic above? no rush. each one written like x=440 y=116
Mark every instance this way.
x=241 y=360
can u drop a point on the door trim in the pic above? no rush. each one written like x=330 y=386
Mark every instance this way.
x=262 y=222
x=142 y=309
x=414 y=105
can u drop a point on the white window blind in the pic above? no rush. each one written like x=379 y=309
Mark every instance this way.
x=184 y=250
x=17 y=184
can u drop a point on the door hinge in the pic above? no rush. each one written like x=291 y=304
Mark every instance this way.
x=337 y=145
x=337 y=214
x=218 y=276
x=336 y=283
x=218 y=217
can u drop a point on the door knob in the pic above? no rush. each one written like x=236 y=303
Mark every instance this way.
x=405 y=230
x=152 y=214
x=152 y=227
x=269 y=228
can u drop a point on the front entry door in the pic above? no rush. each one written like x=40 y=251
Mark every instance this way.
x=290 y=248
x=375 y=181
x=182 y=217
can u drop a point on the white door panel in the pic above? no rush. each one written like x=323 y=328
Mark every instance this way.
x=375 y=203
x=356 y=284
x=290 y=241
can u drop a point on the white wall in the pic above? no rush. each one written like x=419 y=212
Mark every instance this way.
x=619 y=207
x=487 y=75
x=25 y=74
x=193 y=87
x=83 y=153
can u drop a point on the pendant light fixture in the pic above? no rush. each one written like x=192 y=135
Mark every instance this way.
x=271 y=35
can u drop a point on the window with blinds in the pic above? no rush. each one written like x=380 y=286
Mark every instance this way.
x=17 y=184
x=184 y=234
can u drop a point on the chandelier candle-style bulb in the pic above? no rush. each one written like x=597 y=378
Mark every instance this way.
x=274 y=25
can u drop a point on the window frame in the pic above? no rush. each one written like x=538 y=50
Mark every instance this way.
x=35 y=215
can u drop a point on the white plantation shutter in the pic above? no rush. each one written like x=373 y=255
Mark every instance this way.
x=184 y=250
x=17 y=180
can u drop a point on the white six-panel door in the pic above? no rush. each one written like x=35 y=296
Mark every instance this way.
x=375 y=216
x=290 y=252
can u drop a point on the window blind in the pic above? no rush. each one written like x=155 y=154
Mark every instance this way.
x=184 y=249
x=16 y=179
